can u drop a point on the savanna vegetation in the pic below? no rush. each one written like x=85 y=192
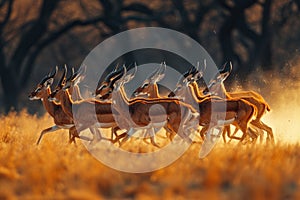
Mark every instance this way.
x=57 y=170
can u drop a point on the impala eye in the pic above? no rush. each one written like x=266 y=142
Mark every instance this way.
x=38 y=89
x=145 y=85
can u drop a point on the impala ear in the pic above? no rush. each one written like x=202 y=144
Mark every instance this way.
x=49 y=82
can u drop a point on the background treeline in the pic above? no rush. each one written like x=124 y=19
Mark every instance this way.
x=37 y=35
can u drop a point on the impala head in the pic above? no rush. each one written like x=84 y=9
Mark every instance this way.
x=43 y=86
x=76 y=77
x=56 y=95
x=103 y=87
x=119 y=81
x=215 y=84
x=183 y=82
x=125 y=78
x=151 y=81
x=104 y=91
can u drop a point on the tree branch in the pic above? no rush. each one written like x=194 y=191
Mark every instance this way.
x=8 y=14
x=51 y=38
x=30 y=37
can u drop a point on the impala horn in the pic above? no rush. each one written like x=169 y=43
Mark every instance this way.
x=225 y=72
x=114 y=73
x=49 y=76
x=62 y=81
x=161 y=73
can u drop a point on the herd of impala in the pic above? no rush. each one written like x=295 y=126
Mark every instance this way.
x=180 y=113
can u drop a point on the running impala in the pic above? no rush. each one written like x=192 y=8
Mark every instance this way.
x=216 y=87
x=171 y=114
x=61 y=119
x=86 y=113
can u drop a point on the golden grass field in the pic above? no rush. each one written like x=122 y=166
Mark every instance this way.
x=58 y=170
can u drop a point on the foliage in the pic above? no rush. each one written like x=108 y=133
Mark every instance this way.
x=58 y=170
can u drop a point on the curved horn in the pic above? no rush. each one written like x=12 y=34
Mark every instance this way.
x=227 y=67
x=135 y=70
x=49 y=76
x=114 y=73
x=200 y=70
x=225 y=72
x=71 y=75
x=154 y=74
x=194 y=71
x=116 y=78
x=186 y=73
x=164 y=67
x=62 y=81
x=53 y=72
x=161 y=72
x=198 y=66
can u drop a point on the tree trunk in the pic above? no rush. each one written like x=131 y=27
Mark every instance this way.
x=11 y=90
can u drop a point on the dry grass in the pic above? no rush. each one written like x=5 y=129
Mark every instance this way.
x=56 y=169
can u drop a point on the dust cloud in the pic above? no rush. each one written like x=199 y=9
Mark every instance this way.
x=281 y=90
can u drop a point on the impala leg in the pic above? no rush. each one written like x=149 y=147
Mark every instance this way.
x=261 y=135
x=182 y=134
x=170 y=133
x=244 y=128
x=233 y=135
x=266 y=128
x=190 y=123
x=73 y=134
x=119 y=137
x=151 y=132
x=114 y=132
x=226 y=130
x=47 y=130
x=128 y=135
x=203 y=131
x=252 y=132
x=96 y=134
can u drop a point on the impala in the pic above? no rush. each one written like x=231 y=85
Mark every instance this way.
x=238 y=112
x=61 y=120
x=150 y=89
x=139 y=117
x=191 y=78
x=88 y=112
x=216 y=87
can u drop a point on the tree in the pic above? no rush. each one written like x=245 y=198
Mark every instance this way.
x=28 y=28
x=23 y=39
